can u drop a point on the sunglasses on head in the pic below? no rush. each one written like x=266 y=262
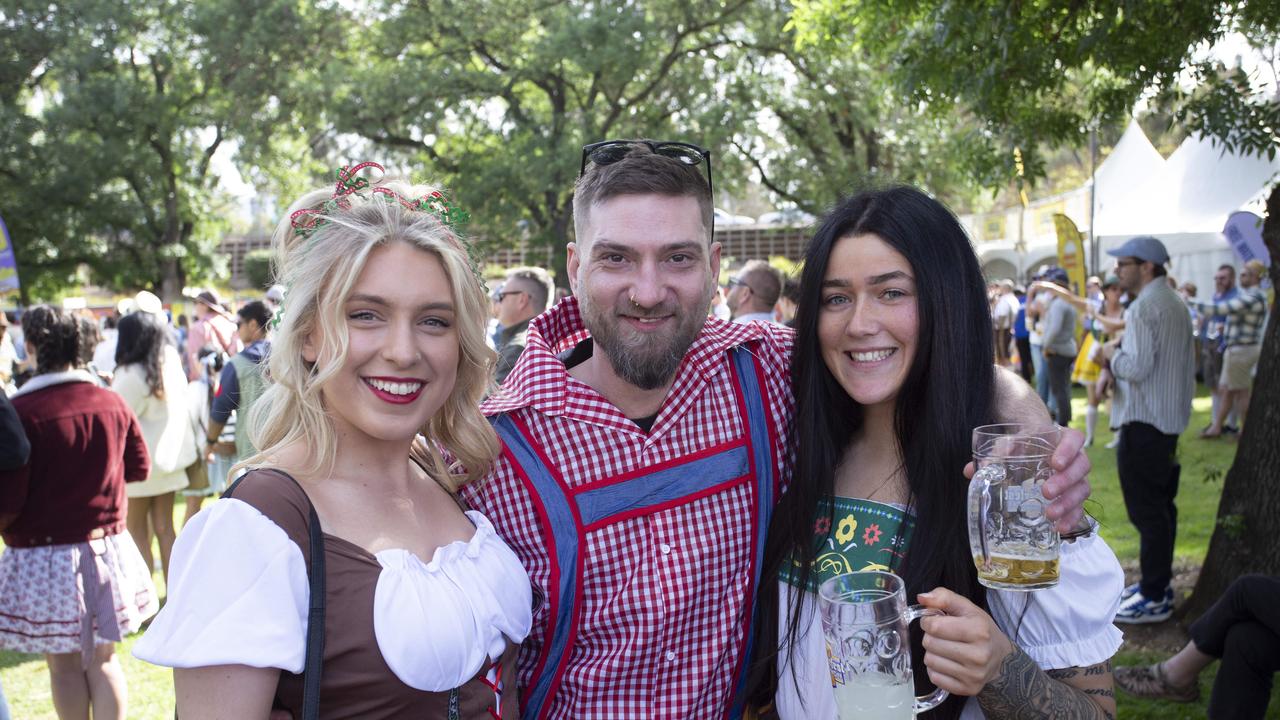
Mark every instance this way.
x=608 y=152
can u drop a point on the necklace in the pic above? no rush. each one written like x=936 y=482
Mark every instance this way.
x=883 y=483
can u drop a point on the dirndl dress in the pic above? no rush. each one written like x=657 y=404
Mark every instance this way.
x=69 y=598
x=1087 y=368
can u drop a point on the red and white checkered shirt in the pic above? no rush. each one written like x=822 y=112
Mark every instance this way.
x=659 y=631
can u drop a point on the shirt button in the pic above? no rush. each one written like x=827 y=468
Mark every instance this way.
x=665 y=548
x=671 y=656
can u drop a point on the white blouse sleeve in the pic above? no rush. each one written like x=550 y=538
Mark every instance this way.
x=237 y=595
x=1070 y=624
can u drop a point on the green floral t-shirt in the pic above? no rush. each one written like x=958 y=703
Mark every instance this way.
x=855 y=535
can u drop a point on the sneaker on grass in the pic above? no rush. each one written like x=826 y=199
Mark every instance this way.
x=1149 y=681
x=1138 y=609
x=1129 y=591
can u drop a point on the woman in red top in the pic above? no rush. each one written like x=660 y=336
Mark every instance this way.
x=72 y=583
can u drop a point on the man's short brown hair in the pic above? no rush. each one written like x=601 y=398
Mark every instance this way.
x=640 y=172
x=534 y=281
x=764 y=280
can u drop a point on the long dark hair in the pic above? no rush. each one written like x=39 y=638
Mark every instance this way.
x=947 y=392
x=141 y=338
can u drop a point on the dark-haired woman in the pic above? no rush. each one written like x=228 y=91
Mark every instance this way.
x=149 y=377
x=892 y=370
x=72 y=584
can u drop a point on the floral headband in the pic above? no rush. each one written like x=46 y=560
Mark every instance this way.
x=306 y=221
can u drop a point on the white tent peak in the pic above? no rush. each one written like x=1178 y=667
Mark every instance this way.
x=1123 y=202
x=1207 y=183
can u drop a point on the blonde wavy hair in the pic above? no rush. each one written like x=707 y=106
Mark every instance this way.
x=319 y=271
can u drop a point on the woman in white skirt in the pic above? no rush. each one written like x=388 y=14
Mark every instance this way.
x=149 y=377
x=72 y=583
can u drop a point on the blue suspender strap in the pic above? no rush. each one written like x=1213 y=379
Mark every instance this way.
x=566 y=517
x=563 y=526
x=751 y=388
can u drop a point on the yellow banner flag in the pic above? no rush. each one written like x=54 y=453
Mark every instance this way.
x=1070 y=251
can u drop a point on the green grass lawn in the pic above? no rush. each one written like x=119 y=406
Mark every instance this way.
x=1204 y=463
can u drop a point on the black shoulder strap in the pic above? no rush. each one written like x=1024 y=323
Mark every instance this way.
x=315 y=612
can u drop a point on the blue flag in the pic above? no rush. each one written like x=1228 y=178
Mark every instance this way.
x=8 y=265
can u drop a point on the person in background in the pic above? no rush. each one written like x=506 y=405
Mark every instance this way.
x=1060 y=347
x=90 y=337
x=149 y=378
x=72 y=584
x=1213 y=343
x=14 y=447
x=785 y=311
x=181 y=331
x=1243 y=630
x=214 y=327
x=1107 y=321
x=1036 y=304
x=213 y=481
x=719 y=307
x=241 y=383
x=104 y=353
x=754 y=291
x=14 y=451
x=1003 y=315
x=1154 y=366
x=274 y=298
x=1248 y=317
x=1022 y=337
x=493 y=328
x=524 y=296
x=8 y=355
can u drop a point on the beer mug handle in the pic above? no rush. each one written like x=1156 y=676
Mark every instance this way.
x=934 y=699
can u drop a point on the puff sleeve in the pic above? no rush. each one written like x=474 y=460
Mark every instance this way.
x=1070 y=624
x=237 y=595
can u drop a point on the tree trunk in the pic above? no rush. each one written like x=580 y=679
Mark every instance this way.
x=1246 y=538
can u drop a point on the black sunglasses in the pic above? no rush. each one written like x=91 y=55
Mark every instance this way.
x=608 y=152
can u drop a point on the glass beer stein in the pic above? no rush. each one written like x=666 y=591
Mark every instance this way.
x=864 y=618
x=1014 y=544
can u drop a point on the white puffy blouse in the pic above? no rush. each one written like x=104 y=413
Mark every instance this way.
x=1068 y=625
x=238 y=594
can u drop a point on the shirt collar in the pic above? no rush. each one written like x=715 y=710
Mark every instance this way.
x=42 y=381
x=759 y=316
x=540 y=380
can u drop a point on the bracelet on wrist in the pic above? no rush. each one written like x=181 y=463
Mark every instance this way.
x=1090 y=526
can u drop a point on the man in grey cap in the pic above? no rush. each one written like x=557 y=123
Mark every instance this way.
x=1154 y=366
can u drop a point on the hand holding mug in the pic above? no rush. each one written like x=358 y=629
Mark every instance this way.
x=963 y=649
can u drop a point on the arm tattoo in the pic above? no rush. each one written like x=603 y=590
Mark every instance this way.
x=1100 y=692
x=1022 y=691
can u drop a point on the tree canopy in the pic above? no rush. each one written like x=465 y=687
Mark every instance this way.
x=1044 y=72
x=113 y=112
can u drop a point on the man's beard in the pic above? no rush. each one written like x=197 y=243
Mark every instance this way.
x=646 y=361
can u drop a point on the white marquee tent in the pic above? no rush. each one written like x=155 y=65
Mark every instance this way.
x=1184 y=200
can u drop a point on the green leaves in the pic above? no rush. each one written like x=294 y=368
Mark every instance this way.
x=116 y=122
x=1041 y=72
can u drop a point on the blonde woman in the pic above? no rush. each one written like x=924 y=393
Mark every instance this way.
x=381 y=340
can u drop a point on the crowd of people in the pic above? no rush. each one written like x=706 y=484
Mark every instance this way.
x=627 y=523
x=114 y=413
